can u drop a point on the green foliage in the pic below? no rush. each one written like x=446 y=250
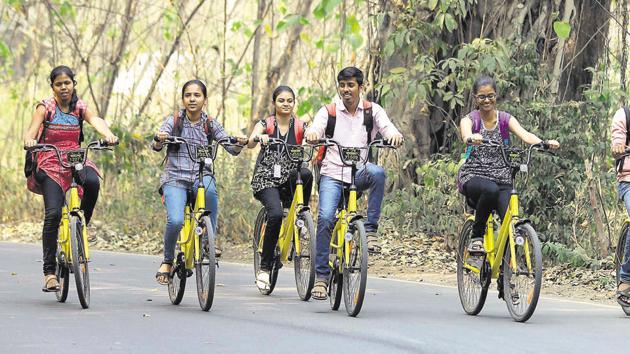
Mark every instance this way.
x=562 y=29
x=5 y=52
x=325 y=8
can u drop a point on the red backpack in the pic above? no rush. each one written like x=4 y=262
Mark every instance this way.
x=368 y=122
x=298 y=128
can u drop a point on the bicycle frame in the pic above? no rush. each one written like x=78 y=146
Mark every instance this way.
x=495 y=246
x=348 y=214
x=288 y=232
x=189 y=235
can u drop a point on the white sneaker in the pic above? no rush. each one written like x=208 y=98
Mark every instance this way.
x=262 y=280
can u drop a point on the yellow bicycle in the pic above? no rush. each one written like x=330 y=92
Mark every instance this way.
x=73 y=253
x=296 y=241
x=195 y=244
x=348 y=258
x=513 y=256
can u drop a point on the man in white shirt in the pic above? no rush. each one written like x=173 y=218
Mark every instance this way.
x=349 y=131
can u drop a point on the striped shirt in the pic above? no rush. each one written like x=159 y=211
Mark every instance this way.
x=180 y=170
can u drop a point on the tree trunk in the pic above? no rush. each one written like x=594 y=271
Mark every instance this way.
x=264 y=104
x=256 y=58
x=130 y=10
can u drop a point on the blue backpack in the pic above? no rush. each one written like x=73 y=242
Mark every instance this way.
x=504 y=129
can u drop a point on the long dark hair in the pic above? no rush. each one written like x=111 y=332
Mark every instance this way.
x=199 y=83
x=280 y=89
x=64 y=70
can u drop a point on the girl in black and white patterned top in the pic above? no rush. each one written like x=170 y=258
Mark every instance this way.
x=485 y=177
x=274 y=177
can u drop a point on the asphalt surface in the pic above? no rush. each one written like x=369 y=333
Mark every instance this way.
x=130 y=313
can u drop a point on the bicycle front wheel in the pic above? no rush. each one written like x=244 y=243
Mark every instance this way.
x=80 y=266
x=205 y=268
x=620 y=258
x=304 y=263
x=63 y=277
x=355 y=269
x=472 y=285
x=177 y=280
x=522 y=280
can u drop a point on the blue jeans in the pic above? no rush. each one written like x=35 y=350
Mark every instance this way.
x=624 y=194
x=370 y=177
x=175 y=202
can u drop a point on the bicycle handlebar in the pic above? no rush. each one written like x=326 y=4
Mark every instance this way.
x=379 y=143
x=93 y=145
x=177 y=140
x=543 y=146
x=305 y=155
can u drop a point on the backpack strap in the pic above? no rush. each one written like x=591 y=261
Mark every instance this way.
x=504 y=127
x=298 y=129
x=475 y=116
x=178 y=125
x=332 y=120
x=270 y=125
x=81 y=117
x=626 y=110
x=368 y=119
x=46 y=123
x=207 y=129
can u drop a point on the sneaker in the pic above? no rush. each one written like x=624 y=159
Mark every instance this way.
x=263 y=280
x=374 y=245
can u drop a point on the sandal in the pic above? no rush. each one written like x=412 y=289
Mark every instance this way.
x=262 y=280
x=373 y=243
x=217 y=251
x=162 y=277
x=623 y=294
x=50 y=283
x=475 y=247
x=320 y=290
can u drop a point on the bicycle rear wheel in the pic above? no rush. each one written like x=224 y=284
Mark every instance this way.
x=177 y=280
x=620 y=258
x=205 y=268
x=355 y=271
x=521 y=285
x=80 y=266
x=472 y=285
x=304 y=263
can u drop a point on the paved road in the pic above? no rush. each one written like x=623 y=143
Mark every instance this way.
x=131 y=313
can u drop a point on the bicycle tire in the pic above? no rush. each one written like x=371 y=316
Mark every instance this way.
x=80 y=266
x=304 y=263
x=520 y=310
x=620 y=259
x=63 y=277
x=472 y=287
x=353 y=285
x=205 y=269
x=177 y=279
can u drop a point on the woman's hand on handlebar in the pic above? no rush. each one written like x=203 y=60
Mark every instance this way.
x=263 y=139
x=475 y=139
x=554 y=144
x=111 y=139
x=161 y=136
x=29 y=143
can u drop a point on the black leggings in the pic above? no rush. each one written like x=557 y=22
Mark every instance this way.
x=272 y=200
x=54 y=199
x=485 y=196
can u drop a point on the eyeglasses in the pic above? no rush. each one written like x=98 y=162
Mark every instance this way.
x=486 y=97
